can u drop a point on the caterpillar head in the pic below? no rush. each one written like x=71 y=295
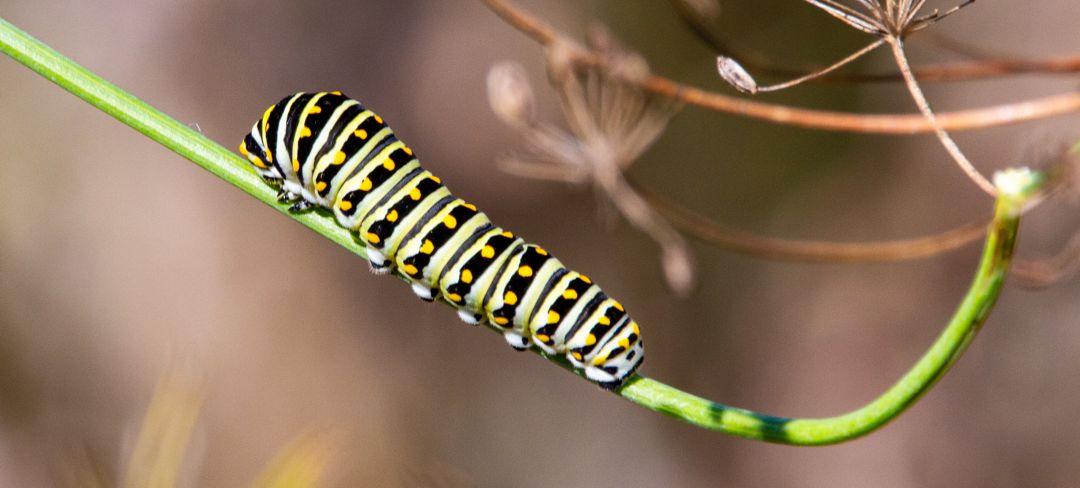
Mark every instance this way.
x=254 y=149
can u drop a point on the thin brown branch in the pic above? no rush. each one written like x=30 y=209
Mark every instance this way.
x=924 y=106
x=740 y=241
x=974 y=70
x=1028 y=110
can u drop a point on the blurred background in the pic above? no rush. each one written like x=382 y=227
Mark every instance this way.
x=119 y=260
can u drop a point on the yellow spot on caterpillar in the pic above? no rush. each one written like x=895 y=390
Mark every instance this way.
x=339 y=157
x=362 y=134
x=618 y=306
x=634 y=328
x=315 y=109
x=409 y=269
x=507 y=234
x=487 y=252
x=365 y=185
x=466 y=276
x=427 y=247
x=453 y=297
x=625 y=343
x=469 y=206
x=435 y=179
x=378 y=119
x=590 y=339
x=501 y=320
x=541 y=251
x=296 y=165
x=604 y=320
x=414 y=194
x=577 y=355
x=389 y=165
x=569 y=295
x=258 y=162
x=335 y=92
x=407 y=150
x=243 y=149
x=585 y=279
x=525 y=271
x=599 y=360
x=392 y=216
x=345 y=205
x=373 y=238
x=305 y=132
x=269 y=156
x=450 y=222
x=320 y=186
x=553 y=317
x=543 y=338
x=510 y=298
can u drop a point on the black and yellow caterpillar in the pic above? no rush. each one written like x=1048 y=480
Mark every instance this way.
x=325 y=149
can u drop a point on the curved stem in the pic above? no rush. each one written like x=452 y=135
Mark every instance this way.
x=948 y=347
x=646 y=392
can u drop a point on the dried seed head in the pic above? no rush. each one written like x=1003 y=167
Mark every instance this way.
x=611 y=123
x=735 y=75
x=510 y=94
x=894 y=18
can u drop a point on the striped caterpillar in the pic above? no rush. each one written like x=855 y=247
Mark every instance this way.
x=327 y=150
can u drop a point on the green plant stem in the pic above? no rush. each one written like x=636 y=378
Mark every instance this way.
x=643 y=391
x=948 y=347
x=156 y=125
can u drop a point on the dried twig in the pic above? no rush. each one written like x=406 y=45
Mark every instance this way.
x=1042 y=273
x=740 y=241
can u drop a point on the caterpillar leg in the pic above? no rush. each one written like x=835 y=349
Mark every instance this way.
x=286 y=196
x=301 y=206
x=469 y=317
x=424 y=292
x=377 y=260
x=517 y=340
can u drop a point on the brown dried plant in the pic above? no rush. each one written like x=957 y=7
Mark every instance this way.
x=610 y=124
x=890 y=21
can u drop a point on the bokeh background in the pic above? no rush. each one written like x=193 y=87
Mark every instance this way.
x=119 y=260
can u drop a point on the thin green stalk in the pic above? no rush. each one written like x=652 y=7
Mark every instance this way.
x=639 y=389
x=156 y=125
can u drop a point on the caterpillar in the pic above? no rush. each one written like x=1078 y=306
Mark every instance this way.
x=327 y=150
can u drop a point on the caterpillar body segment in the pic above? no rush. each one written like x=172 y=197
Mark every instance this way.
x=325 y=149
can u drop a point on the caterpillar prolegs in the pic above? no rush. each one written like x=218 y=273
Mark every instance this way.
x=325 y=149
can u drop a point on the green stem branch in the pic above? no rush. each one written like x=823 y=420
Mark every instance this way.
x=643 y=391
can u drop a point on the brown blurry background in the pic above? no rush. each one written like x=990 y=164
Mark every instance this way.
x=120 y=260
